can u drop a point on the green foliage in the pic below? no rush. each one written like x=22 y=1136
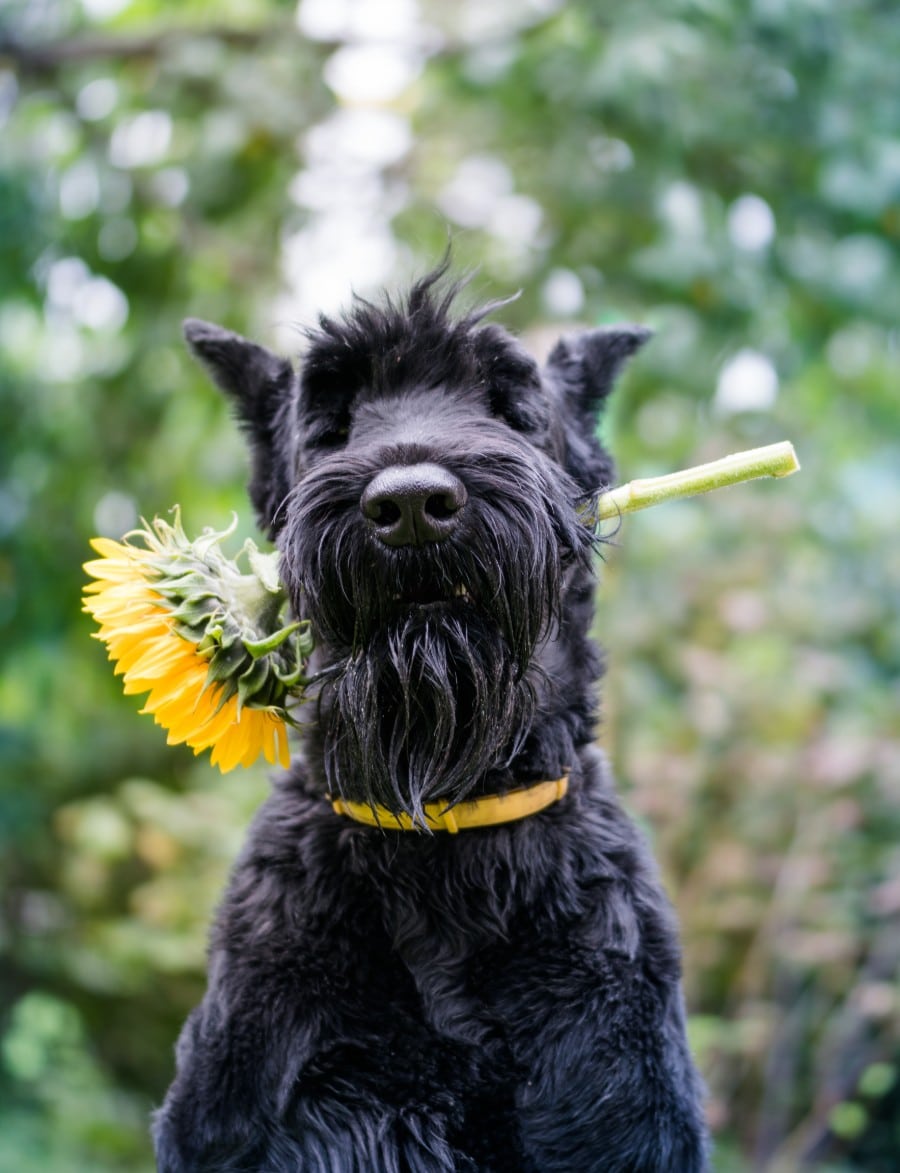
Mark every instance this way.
x=728 y=173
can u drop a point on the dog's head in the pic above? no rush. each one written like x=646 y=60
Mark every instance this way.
x=420 y=477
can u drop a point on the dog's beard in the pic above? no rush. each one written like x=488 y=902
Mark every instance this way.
x=429 y=653
x=418 y=712
x=428 y=683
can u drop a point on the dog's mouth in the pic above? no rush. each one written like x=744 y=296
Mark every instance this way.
x=426 y=595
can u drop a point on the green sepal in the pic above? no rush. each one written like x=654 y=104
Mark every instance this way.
x=261 y=647
x=265 y=567
x=251 y=685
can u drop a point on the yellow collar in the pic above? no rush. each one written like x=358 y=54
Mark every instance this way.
x=479 y=812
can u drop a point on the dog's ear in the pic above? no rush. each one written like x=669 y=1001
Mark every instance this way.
x=585 y=365
x=262 y=386
x=582 y=369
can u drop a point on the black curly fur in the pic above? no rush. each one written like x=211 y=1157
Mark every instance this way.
x=500 y=1000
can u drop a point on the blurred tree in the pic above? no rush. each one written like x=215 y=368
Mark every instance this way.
x=726 y=172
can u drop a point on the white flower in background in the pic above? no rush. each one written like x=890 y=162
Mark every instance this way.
x=747 y=382
x=751 y=223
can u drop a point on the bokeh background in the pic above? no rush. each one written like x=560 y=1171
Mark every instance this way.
x=726 y=171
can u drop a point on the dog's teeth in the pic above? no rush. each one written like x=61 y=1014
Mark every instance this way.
x=460 y=592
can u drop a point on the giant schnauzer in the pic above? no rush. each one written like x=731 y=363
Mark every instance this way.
x=444 y=946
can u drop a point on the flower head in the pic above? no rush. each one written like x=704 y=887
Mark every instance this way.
x=204 y=640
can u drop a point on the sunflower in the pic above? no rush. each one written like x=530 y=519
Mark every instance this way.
x=204 y=640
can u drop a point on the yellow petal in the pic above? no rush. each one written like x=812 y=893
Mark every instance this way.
x=261 y=731
x=183 y=684
x=283 y=750
x=230 y=750
x=201 y=724
x=107 y=548
x=125 y=611
x=123 y=639
x=126 y=593
x=114 y=570
x=161 y=657
x=267 y=728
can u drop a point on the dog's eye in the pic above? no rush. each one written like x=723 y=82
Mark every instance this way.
x=329 y=436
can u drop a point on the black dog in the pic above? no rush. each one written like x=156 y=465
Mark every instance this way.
x=397 y=997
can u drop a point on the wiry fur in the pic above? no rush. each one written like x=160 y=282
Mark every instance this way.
x=505 y=999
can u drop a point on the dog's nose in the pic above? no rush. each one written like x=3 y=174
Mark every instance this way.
x=408 y=505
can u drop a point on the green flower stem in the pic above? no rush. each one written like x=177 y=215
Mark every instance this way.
x=775 y=460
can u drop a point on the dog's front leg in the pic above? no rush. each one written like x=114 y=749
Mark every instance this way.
x=247 y=1100
x=238 y=1059
x=210 y=1120
x=611 y=1087
x=321 y=1135
x=335 y=1138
